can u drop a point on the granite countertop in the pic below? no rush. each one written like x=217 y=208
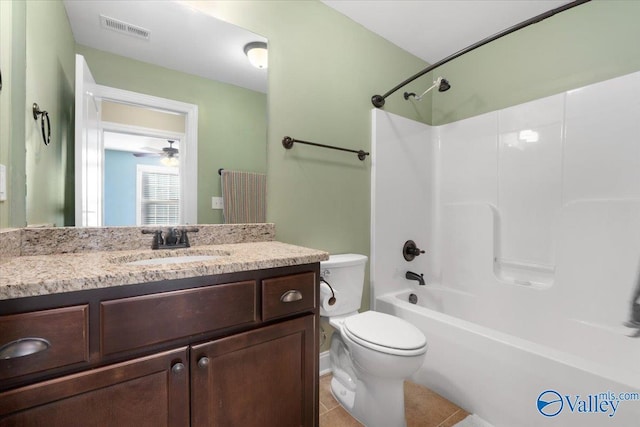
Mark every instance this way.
x=27 y=276
x=57 y=260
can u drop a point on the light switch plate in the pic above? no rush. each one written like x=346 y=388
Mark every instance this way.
x=3 y=183
x=216 y=203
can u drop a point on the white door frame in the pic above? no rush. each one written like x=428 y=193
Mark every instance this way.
x=188 y=147
x=89 y=155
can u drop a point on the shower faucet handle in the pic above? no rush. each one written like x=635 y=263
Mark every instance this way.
x=410 y=250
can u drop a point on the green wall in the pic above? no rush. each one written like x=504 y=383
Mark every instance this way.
x=232 y=121
x=50 y=77
x=323 y=70
x=592 y=42
x=12 y=111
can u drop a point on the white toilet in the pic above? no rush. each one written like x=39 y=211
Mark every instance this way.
x=371 y=353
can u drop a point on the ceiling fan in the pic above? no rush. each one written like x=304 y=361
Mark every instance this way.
x=168 y=152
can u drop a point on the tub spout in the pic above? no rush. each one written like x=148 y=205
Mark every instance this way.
x=415 y=276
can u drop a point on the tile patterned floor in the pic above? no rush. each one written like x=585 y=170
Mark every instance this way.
x=423 y=408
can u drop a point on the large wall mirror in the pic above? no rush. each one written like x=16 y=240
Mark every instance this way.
x=143 y=163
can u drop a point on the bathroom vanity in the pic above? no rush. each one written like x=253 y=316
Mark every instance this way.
x=231 y=341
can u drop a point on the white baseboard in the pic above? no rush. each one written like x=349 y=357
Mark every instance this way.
x=325 y=363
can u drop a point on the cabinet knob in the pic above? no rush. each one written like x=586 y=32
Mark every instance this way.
x=203 y=362
x=178 y=368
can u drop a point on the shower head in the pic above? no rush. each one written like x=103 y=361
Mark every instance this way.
x=442 y=84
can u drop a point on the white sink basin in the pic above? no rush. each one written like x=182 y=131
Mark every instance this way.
x=174 y=260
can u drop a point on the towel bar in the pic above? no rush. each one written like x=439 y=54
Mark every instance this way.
x=287 y=142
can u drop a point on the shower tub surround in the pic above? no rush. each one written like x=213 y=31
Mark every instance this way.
x=530 y=218
x=43 y=261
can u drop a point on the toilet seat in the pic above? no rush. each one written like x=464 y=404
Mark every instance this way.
x=385 y=333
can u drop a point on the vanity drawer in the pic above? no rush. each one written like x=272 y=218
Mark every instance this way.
x=286 y=295
x=135 y=322
x=61 y=336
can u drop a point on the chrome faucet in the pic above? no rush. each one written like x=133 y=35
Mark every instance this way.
x=415 y=276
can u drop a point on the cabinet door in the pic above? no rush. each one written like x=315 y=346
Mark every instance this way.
x=261 y=378
x=150 y=391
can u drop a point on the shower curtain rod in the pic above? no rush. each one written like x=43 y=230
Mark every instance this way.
x=379 y=100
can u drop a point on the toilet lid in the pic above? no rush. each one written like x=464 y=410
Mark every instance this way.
x=385 y=330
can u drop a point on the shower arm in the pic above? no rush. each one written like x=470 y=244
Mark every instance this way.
x=379 y=100
x=418 y=98
x=436 y=83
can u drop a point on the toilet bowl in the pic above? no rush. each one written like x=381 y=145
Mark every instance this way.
x=371 y=353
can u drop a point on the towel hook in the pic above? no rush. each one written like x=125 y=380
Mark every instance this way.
x=43 y=114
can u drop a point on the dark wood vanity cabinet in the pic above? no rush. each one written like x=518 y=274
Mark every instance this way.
x=274 y=385
x=151 y=391
x=231 y=350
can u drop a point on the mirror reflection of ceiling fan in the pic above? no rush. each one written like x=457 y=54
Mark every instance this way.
x=169 y=154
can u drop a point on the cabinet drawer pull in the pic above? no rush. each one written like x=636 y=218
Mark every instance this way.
x=203 y=362
x=291 y=296
x=23 y=347
x=178 y=368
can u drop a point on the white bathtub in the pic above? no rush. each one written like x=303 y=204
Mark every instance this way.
x=494 y=360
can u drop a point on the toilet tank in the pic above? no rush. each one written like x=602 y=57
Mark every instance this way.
x=345 y=274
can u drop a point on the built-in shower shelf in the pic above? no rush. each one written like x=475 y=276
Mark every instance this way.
x=524 y=273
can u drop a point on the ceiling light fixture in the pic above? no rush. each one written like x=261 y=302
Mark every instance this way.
x=170 y=161
x=257 y=54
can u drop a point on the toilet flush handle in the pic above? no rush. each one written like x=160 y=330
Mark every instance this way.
x=332 y=300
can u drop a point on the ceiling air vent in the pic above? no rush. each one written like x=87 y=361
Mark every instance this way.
x=124 y=27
